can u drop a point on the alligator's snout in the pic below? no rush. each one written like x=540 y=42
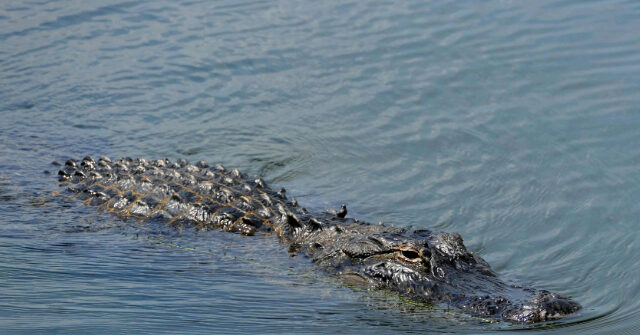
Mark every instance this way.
x=545 y=306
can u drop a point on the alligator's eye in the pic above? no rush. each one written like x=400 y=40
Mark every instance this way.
x=409 y=255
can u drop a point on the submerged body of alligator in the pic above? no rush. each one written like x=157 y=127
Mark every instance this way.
x=422 y=265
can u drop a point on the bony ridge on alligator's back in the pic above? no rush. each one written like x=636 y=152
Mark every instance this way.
x=422 y=265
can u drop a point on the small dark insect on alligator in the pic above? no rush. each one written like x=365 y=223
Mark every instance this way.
x=421 y=265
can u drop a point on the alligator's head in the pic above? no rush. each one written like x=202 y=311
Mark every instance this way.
x=435 y=268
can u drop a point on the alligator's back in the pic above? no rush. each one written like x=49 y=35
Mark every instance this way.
x=422 y=265
x=175 y=192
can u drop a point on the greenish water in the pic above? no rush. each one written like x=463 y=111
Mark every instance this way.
x=512 y=123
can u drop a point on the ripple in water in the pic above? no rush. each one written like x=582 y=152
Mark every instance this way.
x=511 y=123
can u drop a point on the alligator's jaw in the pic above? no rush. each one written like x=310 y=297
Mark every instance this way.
x=426 y=266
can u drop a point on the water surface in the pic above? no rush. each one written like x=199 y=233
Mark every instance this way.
x=514 y=124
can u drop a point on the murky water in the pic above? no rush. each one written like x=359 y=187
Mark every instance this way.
x=512 y=123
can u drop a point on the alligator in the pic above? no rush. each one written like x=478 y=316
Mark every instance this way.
x=421 y=265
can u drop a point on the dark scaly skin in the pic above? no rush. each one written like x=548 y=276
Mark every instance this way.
x=422 y=265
